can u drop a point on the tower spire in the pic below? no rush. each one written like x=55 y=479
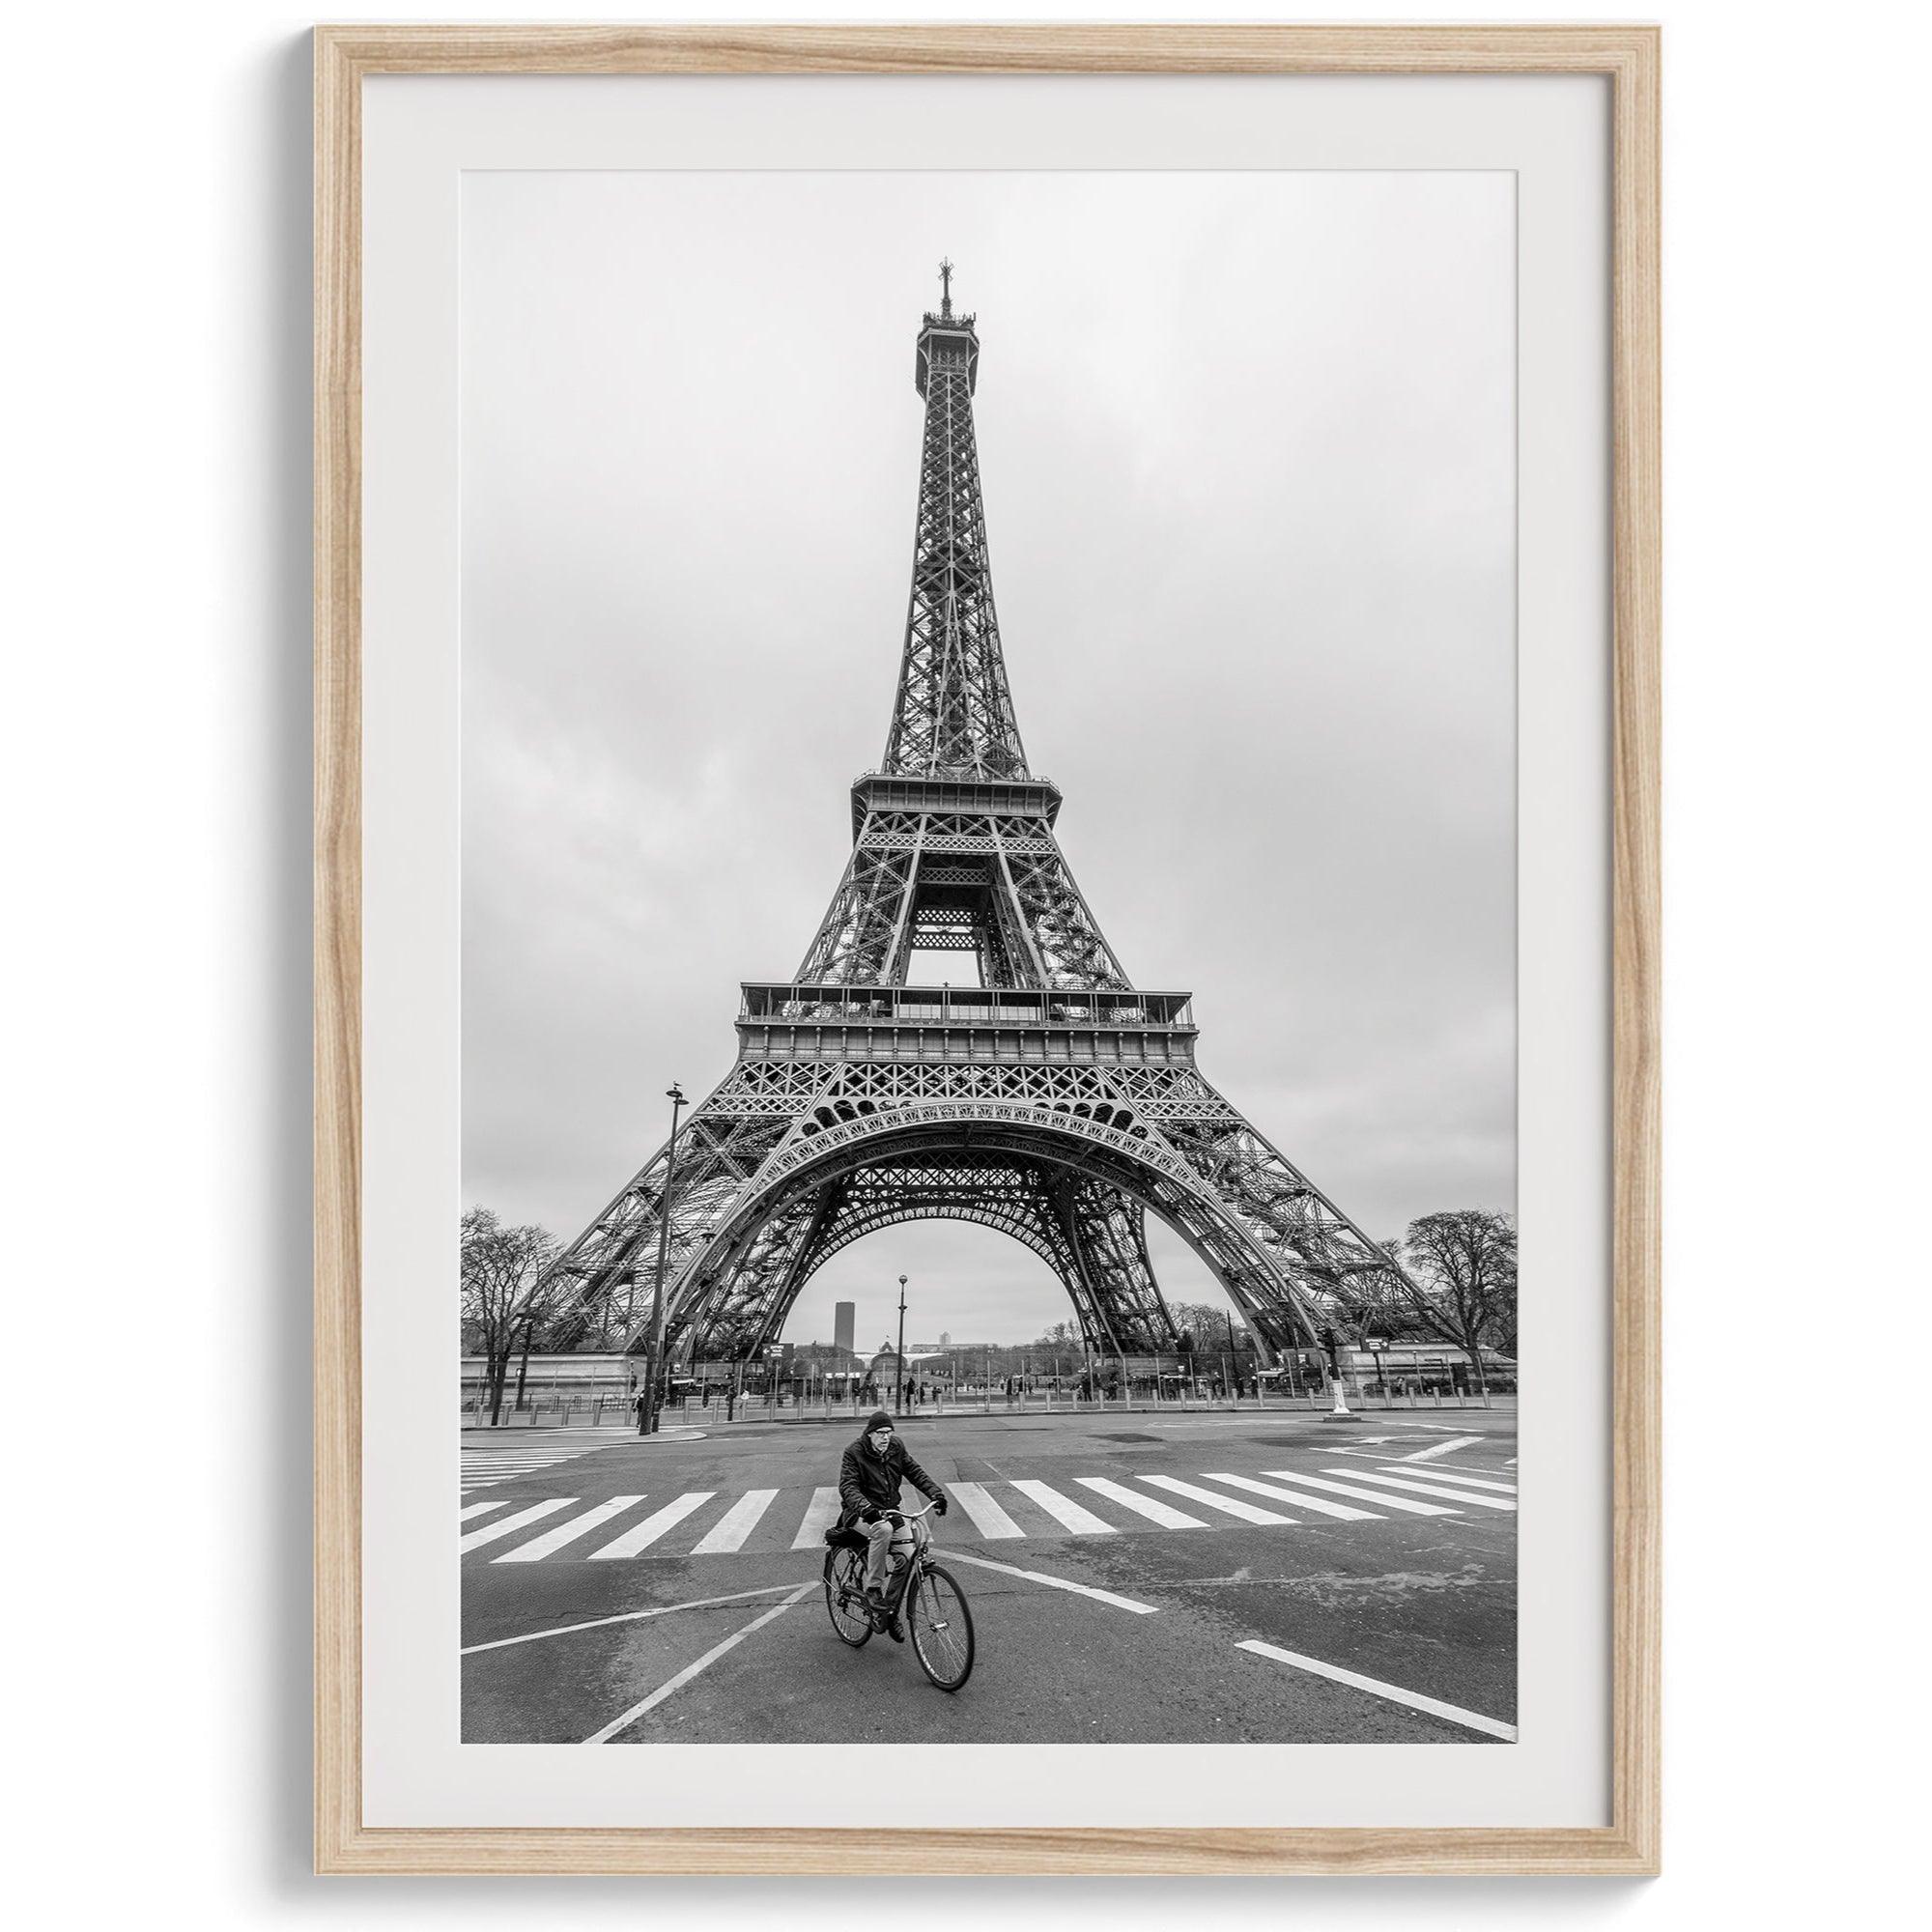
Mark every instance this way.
x=953 y=717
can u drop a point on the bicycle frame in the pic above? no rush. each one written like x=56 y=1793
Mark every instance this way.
x=900 y=1583
x=914 y=1563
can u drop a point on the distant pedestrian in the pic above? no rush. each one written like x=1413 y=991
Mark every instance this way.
x=640 y=1403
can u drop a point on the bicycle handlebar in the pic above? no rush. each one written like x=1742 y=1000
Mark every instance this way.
x=912 y=1515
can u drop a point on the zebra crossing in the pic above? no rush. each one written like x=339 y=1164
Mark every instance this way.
x=499 y=1459
x=765 y=1522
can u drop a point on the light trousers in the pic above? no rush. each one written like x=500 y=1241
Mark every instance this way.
x=888 y=1539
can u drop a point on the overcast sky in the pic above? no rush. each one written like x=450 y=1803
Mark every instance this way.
x=1247 y=448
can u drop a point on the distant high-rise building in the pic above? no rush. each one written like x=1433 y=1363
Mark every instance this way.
x=945 y=1339
x=844 y=1323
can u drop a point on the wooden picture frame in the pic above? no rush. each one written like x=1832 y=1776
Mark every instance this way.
x=1628 y=56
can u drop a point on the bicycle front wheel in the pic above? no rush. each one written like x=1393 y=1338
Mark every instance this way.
x=845 y=1596
x=941 y=1628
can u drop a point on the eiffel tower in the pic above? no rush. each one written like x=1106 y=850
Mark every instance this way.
x=1055 y=1102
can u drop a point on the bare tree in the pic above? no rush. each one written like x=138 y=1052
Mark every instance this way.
x=508 y=1292
x=1459 y=1280
x=1206 y=1328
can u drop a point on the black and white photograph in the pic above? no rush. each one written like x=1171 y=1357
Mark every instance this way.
x=988 y=1097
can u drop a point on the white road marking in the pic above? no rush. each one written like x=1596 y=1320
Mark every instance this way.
x=1468 y=1479
x=535 y=1550
x=1379 y=1497
x=1064 y=1510
x=1471 y=1720
x=692 y=1670
x=820 y=1513
x=641 y=1536
x=1436 y=1449
x=737 y=1523
x=490 y=1531
x=1227 y=1505
x=1160 y=1513
x=1056 y=1584
x=1321 y=1508
x=989 y=1518
x=1377 y=1481
x=1435 y=1488
x=627 y=1618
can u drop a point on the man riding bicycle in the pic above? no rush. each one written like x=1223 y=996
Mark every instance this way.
x=869 y=1487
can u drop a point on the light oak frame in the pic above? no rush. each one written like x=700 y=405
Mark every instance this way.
x=1628 y=56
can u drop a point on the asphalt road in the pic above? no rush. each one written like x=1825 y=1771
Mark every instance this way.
x=638 y=1592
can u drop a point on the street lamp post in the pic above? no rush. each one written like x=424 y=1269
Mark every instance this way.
x=653 y=1353
x=899 y=1390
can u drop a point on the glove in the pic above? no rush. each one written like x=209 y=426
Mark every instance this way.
x=939 y=1505
x=872 y=1515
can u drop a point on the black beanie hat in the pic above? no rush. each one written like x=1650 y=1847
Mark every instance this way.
x=879 y=1419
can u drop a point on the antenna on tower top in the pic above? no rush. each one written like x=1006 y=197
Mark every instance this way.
x=945 y=290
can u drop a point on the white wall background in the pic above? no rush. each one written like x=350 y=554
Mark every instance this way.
x=155 y=765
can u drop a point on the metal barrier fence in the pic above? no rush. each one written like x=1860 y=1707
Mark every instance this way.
x=788 y=1406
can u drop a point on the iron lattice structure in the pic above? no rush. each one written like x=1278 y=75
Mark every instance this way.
x=1054 y=1101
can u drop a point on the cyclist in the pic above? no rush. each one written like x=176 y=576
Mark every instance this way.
x=868 y=1486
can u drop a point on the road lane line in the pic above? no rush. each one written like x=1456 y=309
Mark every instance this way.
x=1064 y=1510
x=490 y=1531
x=1414 y=1700
x=730 y=1530
x=1436 y=1449
x=641 y=1536
x=1160 y=1513
x=1227 y=1505
x=703 y=1663
x=625 y=1617
x=1381 y=1498
x=1056 y=1584
x=1435 y=1488
x=481 y=1509
x=989 y=1518
x=820 y=1513
x=538 y=1547
x=1342 y=1511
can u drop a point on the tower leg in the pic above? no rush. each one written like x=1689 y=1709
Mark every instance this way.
x=1107 y=1231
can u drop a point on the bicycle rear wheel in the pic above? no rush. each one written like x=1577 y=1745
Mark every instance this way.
x=941 y=1628
x=845 y=1596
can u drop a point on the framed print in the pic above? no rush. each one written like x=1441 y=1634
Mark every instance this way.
x=1039 y=1203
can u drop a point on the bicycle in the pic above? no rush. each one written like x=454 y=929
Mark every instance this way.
x=939 y=1619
